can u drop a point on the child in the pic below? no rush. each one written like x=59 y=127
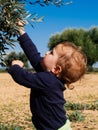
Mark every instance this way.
x=64 y=64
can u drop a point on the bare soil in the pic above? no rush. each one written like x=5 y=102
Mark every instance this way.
x=14 y=102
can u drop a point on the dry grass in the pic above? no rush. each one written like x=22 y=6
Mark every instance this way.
x=14 y=102
x=85 y=91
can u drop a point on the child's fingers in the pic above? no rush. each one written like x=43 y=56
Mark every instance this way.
x=21 y=22
x=18 y=62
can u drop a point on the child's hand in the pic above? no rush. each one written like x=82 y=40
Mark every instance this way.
x=18 y=62
x=21 y=24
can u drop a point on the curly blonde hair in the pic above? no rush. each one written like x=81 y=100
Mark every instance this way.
x=73 y=63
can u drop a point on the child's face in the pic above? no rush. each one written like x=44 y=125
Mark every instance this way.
x=51 y=57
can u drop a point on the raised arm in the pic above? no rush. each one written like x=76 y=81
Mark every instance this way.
x=30 y=50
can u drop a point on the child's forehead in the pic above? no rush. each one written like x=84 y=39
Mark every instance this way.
x=59 y=49
x=59 y=46
x=64 y=49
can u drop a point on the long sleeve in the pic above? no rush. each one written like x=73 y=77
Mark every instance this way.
x=41 y=80
x=31 y=51
x=25 y=78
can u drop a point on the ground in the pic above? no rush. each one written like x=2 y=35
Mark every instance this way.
x=14 y=102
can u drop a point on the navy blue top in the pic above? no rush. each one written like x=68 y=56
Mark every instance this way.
x=46 y=97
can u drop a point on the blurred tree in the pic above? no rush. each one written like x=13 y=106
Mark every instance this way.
x=90 y=50
x=93 y=33
x=72 y=35
x=15 y=56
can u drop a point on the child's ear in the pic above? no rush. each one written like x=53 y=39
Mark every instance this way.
x=56 y=70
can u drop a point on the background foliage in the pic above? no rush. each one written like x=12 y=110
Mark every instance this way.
x=87 y=40
x=15 y=56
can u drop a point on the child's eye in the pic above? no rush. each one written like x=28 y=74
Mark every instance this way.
x=51 y=52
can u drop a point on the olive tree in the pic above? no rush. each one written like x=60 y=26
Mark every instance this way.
x=13 y=10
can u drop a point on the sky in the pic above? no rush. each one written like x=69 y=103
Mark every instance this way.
x=79 y=14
